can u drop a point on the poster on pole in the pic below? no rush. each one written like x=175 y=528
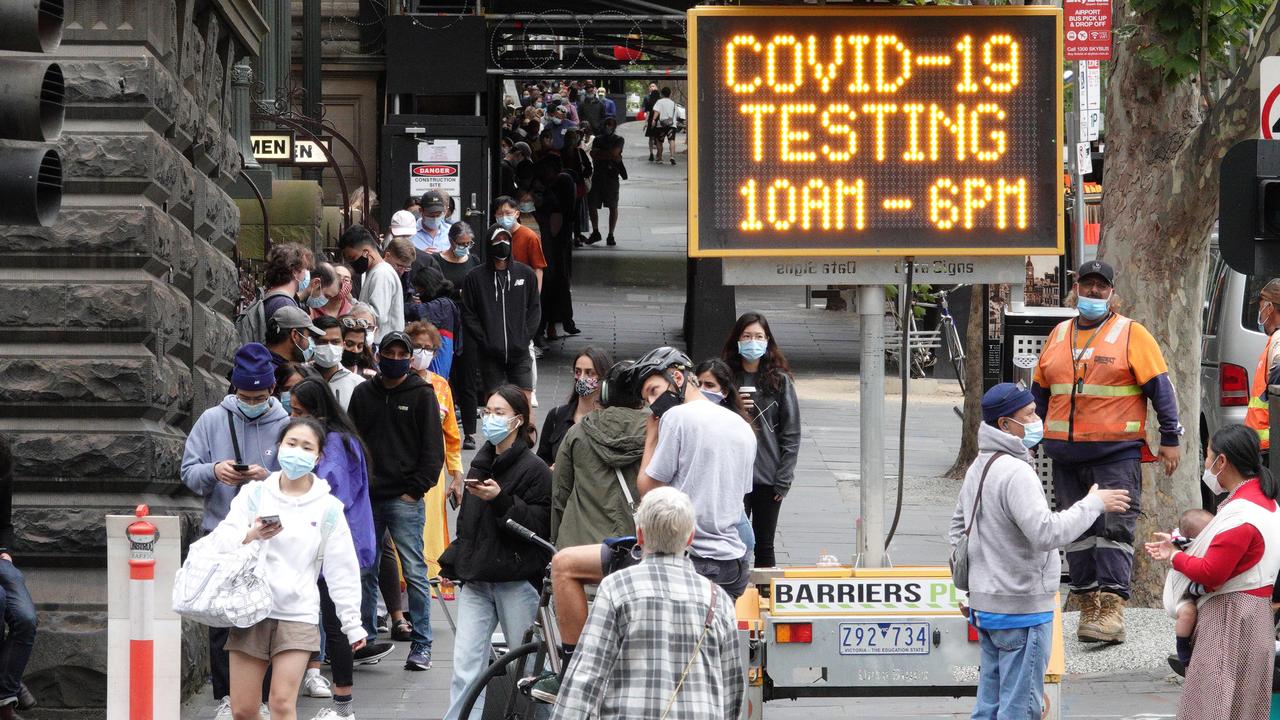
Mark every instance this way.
x=1087 y=26
x=1269 y=95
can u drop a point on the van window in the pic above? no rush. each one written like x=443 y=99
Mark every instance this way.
x=1215 y=281
x=1252 y=286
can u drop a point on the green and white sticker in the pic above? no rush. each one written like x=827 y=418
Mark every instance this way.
x=866 y=596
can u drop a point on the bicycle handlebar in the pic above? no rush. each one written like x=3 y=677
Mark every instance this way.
x=529 y=535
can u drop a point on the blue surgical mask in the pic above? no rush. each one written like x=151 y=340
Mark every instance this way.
x=526 y=207
x=296 y=462
x=1092 y=308
x=752 y=349
x=713 y=396
x=461 y=251
x=309 y=351
x=440 y=223
x=317 y=301
x=253 y=411
x=495 y=428
x=285 y=397
x=1032 y=433
x=305 y=282
x=506 y=222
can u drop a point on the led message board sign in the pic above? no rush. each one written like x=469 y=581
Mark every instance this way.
x=875 y=132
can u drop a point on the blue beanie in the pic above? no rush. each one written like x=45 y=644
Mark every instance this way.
x=1004 y=400
x=254 y=369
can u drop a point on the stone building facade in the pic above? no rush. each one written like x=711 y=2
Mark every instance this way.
x=117 y=317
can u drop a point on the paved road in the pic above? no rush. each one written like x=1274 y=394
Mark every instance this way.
x=631 y=298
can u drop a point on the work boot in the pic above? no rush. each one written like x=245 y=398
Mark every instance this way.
x=1089 y=609
x=1108 y=625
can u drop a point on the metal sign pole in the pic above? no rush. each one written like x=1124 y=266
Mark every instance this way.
x=871 y=422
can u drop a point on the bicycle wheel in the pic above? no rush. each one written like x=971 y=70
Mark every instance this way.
x=956 y=352
x=503 y=700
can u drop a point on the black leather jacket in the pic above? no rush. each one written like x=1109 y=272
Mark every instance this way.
x=776 y=418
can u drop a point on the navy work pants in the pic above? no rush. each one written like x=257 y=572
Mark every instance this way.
x=1102 y=557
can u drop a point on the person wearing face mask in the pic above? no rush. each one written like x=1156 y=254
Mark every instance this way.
x=455 y=264
x=593 y=482
x=589 y=368
x=690 y=444
x=773 y=409
x=606 y=152
x=435 y=305
x=1092 y=384
x=340 y=303
x=287 y=276
x=307 y=535
x=501 y=311
x=231 y=444
x=327 y=361
x=433 y=227
x=497 y=569
x=291 y=336
x=526 y=246
x=1235 y=559
x=1013 y=552
x=398 y=416
x=591 y=110
x=287 y=376
x=1258 y=416
x=715 y=380
x=380 y=287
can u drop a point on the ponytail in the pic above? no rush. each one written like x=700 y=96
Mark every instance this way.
x=1242 y=449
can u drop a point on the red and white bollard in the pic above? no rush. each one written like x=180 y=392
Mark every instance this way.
x=142 y=536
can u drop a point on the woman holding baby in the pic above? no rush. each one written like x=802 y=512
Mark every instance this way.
x=1234 y=561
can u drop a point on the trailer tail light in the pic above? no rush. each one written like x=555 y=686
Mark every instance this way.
x=793 y=633
x=1233 y=386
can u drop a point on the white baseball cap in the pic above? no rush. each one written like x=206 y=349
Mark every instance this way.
x=403 y=223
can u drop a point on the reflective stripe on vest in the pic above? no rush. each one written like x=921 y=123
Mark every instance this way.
x=1103 y=402
x=1258 y=417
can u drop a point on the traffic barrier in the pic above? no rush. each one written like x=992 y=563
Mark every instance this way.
x=144 y=641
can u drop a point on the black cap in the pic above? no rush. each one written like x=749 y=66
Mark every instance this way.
x=397 y=336
x=1099 y=268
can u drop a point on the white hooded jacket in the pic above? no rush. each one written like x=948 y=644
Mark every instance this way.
x=292 y=561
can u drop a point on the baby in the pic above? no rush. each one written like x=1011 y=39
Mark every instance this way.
x=1190 y=525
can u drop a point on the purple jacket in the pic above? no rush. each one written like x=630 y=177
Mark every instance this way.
x=343 y=466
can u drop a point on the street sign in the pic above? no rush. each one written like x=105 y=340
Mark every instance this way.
x=1087 y=25
x=439 y=167
x=873 y=271
x=273 y=146
x=1269 y=95
x=310 y=152
x=836 y=131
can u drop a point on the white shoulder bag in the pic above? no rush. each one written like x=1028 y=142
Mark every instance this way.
x=223 y=589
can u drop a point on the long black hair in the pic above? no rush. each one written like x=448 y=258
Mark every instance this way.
x=600 y=360
x=315 y=398
x=308 y=423
x=724 y=378
x=774 y=368
x=1242 y=449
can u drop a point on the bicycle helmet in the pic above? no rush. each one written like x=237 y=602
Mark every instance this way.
x=659 y=360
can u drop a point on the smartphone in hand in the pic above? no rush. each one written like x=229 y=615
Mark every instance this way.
x=240 y=468
x=270 y=519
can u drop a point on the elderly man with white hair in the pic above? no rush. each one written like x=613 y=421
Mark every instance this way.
x=661 y=640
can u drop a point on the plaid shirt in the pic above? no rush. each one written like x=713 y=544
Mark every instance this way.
x=642 y=631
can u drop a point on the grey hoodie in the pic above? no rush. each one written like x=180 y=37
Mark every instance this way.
x=1013 y=548
x=209 y=443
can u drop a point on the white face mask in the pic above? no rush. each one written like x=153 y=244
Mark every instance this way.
x=1210 y=480
x=421 y=359
x=328 y=356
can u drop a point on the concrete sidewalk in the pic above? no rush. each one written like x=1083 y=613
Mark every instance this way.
x=629 y=299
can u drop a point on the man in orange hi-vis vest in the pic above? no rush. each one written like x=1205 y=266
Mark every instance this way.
x=1268 y=371
x=1096 y=374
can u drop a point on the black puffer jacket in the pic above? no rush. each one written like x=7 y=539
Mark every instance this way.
x=485 y=550
x=776 y=419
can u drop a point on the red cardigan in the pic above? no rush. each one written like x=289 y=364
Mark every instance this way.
x=1232 y=551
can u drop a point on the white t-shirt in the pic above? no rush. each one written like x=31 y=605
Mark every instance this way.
x=666 y=111
x=708 y=453
x=382 y=290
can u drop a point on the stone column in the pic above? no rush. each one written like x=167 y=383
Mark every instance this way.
x=241 y=79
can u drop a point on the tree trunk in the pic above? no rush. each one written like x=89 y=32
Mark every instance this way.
x=974 y=355
x=1160 y=199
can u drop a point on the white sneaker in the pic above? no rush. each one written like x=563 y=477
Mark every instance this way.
x=331 y=714
x=264 y=712
x=224 y=709
x=316 y=685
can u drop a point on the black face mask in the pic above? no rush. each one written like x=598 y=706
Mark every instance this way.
x=663 y=403
x=361 y=265
x=500 y=250
x=351 y=359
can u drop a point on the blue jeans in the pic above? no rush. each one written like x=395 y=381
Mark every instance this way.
x=481 y=606
x=405 y=520
x=1011 y=677
x=19 y=629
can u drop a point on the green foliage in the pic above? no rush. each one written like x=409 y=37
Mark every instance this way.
x=1176 y=32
